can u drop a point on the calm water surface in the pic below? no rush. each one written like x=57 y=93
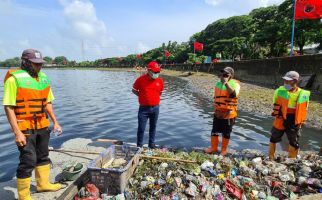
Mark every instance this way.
x=99 y=104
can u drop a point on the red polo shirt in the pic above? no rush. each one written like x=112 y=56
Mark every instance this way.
x=149 y=90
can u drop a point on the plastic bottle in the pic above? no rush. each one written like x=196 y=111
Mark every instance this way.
x=57 y=132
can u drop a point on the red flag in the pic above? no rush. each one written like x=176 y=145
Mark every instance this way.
x=167 y=54
x=198 y=46
x=139 y=56
x=215 y=60
x=308 y=9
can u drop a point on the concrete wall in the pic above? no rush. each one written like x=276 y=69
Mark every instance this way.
x=265 y=72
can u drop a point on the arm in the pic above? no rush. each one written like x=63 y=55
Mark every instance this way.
x=136 y=92
x=136 y=87
x=20 y=138
x=230 y=90
x=50 y=111
x=225 y=80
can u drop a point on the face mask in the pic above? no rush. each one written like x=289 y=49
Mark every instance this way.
x=155 y=75
x=288 y=87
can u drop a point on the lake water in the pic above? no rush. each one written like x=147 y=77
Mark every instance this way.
x=99 y=104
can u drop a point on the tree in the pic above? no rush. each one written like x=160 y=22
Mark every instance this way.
x=268 y=32
x=48 y=59
x=60 y=60
x=12 y=62
x=306 y=31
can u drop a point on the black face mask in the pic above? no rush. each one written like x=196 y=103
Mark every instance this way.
x=26 y=65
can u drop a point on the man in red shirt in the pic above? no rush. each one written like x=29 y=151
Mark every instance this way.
x=148 y=88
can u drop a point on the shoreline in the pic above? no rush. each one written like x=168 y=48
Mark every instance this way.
x=253 y=98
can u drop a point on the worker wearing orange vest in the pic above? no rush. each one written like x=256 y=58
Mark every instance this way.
x=290 y=111
x=27 y=102
x=225 y=102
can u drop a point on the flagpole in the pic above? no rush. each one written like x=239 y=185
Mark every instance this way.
x=293 y=30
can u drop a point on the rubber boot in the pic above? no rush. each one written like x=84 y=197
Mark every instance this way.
x=42 y=178
x=292 y=151
x=23 y=187
x=271 y=151
x=224 y=146
x=214 y=145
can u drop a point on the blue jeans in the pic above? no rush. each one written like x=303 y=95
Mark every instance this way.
x=145 y=113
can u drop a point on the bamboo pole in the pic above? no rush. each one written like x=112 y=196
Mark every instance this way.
x=142 y=156
x=168 y=159
x=74 y=151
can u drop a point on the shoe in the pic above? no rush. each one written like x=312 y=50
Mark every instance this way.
x=42 y=178
x=23 y=187
x=214 y=145
x=271 y=151
x=224 y=146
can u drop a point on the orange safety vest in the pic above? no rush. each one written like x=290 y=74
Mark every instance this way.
x=281 y=107
x=225 y=106
x=31 y=100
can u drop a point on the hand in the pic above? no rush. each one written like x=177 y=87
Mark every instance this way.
x=224 y=79
x=20 y=139
x=57 y=129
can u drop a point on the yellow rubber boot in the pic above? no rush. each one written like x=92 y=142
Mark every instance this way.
x=271 y=151
x=224 y=146
x=214 y=145
x=23 y=187
x=292 y=151
x=42 y=178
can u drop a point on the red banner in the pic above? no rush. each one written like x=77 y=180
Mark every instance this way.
x=308 y=9
x=198 y=46
x=167 y=54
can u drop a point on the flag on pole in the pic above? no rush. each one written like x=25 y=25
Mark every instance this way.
x=308 y=9
x=198 y=46
x=167 y=54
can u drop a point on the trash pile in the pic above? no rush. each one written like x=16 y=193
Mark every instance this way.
x=244 y=175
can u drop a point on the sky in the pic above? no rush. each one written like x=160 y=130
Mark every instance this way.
x=94 y=29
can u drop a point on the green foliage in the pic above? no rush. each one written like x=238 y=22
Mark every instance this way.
x=264 y=32
x=60 y=60
x=48 y=59
x=12 y=62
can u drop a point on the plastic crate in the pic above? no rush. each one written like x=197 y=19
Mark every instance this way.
x=113 y=181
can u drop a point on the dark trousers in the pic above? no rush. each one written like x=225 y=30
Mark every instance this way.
x=34 y=153
x=223 y=126
x=292 y=131
x=145 y=113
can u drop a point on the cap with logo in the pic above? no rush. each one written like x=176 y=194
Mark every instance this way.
x=154 y=67
x=33 y=56
x=228 y=70
x=291 y=75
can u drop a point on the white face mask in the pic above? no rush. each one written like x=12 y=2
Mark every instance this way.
x=155 y=75
x=288 y=86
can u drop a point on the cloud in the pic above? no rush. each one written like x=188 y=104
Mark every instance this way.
x=213 y=2
x=81 y=15
x=84 y=25
x=256 y=3
x=142 y=47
